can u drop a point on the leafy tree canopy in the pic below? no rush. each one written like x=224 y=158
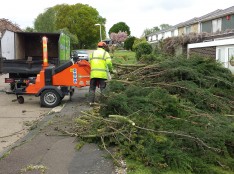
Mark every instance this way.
x=148 y=31
x=79 y=20
x=119 y=37
x=29 y=29
x=164 y=26
x=120 y=26
x=45 y=22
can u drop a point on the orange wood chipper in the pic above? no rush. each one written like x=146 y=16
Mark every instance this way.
x=53 y=83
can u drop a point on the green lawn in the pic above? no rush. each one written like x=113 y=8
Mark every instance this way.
x=123 y=57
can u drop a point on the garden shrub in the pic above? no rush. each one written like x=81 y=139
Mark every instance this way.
x=143 y=49
x=128 y=43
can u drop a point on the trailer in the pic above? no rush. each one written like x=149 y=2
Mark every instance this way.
x=52 y=83
x=21 y=54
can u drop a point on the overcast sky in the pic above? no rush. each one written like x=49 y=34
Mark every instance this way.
x=137 y=14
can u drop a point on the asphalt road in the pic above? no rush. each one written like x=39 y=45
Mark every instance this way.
x=45 y=148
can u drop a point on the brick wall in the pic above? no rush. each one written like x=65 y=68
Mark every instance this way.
x=205 y=51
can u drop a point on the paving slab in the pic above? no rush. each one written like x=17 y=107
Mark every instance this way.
x=15 y=118
x=45 y=146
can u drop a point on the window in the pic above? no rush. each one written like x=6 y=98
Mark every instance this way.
x=149 y=38
x=187 y=29
x=160 y=36
x=230 y=52
x=176 y=32
x=224 y=55
x=172 y=33
x=216 y=25
x=167 y=34
x=154 y=37
x=221 y=55
x=231 y=59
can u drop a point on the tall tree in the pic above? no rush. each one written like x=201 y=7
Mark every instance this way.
x=155 y=29
x=45 y=22
x=148 y=31
x=78 y=19
x=119 y=37
x=164 y=26
x=120 y=26
x=29 y=29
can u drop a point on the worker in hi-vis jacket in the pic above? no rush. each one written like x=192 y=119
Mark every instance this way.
x=101 y=66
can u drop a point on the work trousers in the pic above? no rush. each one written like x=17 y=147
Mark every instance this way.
x=96 y=82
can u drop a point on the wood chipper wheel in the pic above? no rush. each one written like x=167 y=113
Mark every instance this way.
x=50 y=98
x=20 y=99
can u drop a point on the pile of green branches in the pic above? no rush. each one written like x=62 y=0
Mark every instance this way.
x=174 y=116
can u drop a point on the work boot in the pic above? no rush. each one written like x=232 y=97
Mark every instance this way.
x=91 y=96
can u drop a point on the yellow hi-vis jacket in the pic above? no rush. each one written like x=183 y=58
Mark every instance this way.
x=100 y=62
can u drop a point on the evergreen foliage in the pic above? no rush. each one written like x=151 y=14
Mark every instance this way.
x=129 y=43
x=137 y=41
x=178 y=116
x=120 y=26
x=143 y=48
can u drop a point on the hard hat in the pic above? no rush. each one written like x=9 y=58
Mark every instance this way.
x=102 y=44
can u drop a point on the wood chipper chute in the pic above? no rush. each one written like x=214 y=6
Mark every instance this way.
x=53 y=83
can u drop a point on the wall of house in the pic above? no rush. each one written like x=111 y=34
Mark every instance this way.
x=180 y=31
x=167 y=34
x=227 y=24
x=206 y=26
x=149 y=38
x=204 y=51
x=176 y=32
x=220 y=50
x=7 y=44
x=194 y=28
x=154 y=38
x=160 y=36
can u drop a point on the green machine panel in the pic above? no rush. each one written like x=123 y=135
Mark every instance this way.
x=64 y=48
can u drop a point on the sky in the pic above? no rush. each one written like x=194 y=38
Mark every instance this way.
x=137 y=14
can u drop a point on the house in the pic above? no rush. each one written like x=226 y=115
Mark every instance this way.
x=218 y=21
x=217 y=30
x=219 y=48
x=5 y=25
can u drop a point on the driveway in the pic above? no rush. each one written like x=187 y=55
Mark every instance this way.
x=46 y=148
x=15 y=118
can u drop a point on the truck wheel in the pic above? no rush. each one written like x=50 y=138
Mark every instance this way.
x=20 y=99
x=50 y=98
